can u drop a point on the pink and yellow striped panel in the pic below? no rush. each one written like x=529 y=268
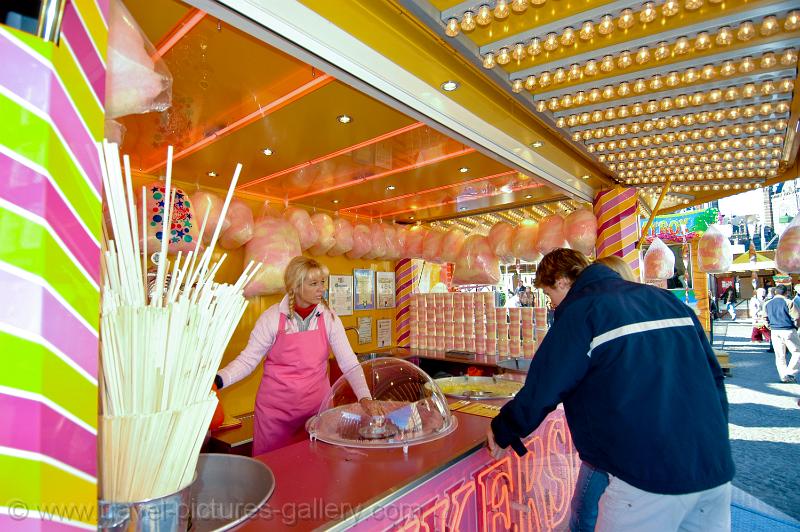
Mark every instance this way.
x=618 y=225
x=404 y=272
x=51 y=100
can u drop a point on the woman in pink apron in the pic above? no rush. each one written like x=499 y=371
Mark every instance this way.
x=295 y=335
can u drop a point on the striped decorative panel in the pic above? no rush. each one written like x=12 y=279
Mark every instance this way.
x=618 y=225
x=404 y=272
x=51 y=100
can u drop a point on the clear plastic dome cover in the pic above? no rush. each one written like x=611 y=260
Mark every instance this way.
x=407 y=407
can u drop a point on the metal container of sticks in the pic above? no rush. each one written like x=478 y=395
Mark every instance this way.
x=170 y=513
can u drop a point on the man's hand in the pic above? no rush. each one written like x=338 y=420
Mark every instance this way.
x=494 y=449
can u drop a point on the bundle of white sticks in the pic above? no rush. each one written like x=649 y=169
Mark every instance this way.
x=161 y=344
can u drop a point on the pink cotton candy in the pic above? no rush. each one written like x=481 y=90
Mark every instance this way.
x=432 y=246
x=202 y=201
x=392 y=244
x=240 y=230
x=551 y=234
x=342 y=236
x=580 y=230
x=301 y=221
x=525 y=244
x=787 y=254
x=452 y=244
x=184 y=226
x=401 y=241
x=324 y=225
x=275 y=242
x=659 y=261
x=501 y=239
x=477 y=263
x=362 y=242
x=714 y=251
x=414 y=241
x=378 y=238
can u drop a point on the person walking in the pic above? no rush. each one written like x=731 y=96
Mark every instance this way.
x=782 y=317
x=643 y=395
x=730 y=302
x=760 y=332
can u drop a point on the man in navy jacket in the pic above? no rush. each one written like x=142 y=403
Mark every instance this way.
x=642 y=392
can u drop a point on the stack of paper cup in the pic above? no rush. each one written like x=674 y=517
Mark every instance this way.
x=469 y=344
x=502 y=348
x=540 y=315
x=469 y=329
x=439 y=343
x=449 y=343
x=528 y=348
x=480 y=346
x=413 y=339
x=514 y=347
x=491 y=330
x=500 y=315
x=527 y=324
x=491 y=347
x=458 y=329
x=502 y=331
x=459 y=343
x=514 y=315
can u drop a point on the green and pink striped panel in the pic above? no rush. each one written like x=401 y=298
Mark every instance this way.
x=51 y=103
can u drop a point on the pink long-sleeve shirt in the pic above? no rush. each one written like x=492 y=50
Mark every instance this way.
x=265 y=333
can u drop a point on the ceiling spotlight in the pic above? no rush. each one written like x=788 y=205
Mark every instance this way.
x=344 y=119
x=335 y=201
x=450 y=86
x=585 y=177
x=528 y=196
x=537 y=144
x=267 y=152
x=462 y=208
x=212 y=173
x=410 y=217
x=390 y=187
x=463 y=169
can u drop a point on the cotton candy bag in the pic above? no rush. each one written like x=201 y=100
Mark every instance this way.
x=787 y=254
x=301 y=221
x=580 y=230
x=452 y=244
x=275 y=242
x=240 y=230
x=477 y=263
x=551 y=234
x=714 y=251
x=525 y=241
x=325 y=241
x=362 y=242
x=203 y=201
x=432 y=246
x=501 y=239
x=342 y=237
x=659 y=261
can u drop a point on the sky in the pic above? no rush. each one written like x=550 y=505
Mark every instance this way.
x=750 y=202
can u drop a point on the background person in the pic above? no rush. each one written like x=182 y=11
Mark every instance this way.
x=782 y=316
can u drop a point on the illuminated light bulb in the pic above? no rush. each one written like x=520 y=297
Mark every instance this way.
x=550 y=42
x=517 y=85
x=574 y=72
x=559 y=76
x=561 y=122
x=597 y=116
x=690 y=75
x=587 y=31
x=789 y=57
x=724 y=36
x=484 y=16
x=639 y=86
x=488 y=60
x=566 y=101
x=767 y=88
x=722 y=132
x=519 y=6
x=702 y=41
x=541 y=106
x=534 y=47
x=682 y=46
x=624 y=88
x=568 y=37
x=623 y=111
x=781 y=124
x=750 y=129
x=651 y=107
x=503 y=56
x=501 y=9
x=666 y=104
x=661 y=123
x=792 y=21
x=607 y=63
x=662 y=51
x=595 y=95
x=727 y=69
x=786 y=85
x=656 y=83
x=698 y=98
x=636 y=128
x=746 y=31
x=580 y=98
x=708 y=72
x=768 y=60
x=530 y=82
x=748 y=91
x=681 y=101
x=608 y=92
x=518 y=52
x=552 y=104
x=610 y=114
x=452 y=28
x=648 y=13
x=624 y=60
x=731 y=93
x=670 y=8
x=769 y=26
x=719 y=115
x=637 y=109
x=733 y=114
x=626 y=19
x=590 y=68
x=696 y=135
x=584 y=118
x=606 y=25
x=545 y=78
x=642 y=55
x=688 y=120
x=782 y=107
x=468 y=21
x=765 y=109
x=673 y=79
x=747 y=65
x=572 y=120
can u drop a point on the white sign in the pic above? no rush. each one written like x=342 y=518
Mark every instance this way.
x=385 y=282
x=384 y=333
x=364 y=330
x=340 y=294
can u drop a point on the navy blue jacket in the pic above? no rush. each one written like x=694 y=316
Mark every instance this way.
x=642 y=390
x=778 y=314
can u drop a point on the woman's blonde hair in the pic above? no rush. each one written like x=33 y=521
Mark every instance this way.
x=620 y=266
x=295 y=275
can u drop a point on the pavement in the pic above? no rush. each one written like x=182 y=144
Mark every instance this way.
x=764 y=421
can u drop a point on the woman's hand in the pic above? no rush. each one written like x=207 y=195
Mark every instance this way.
x=494 y=449
x=372 y=407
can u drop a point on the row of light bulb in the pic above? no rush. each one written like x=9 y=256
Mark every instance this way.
x=667 y=104
x=659 y=159
x=648 y=171
x=696 y=147
x=661 y=124
x=484 y=15
x=567 y=37
x=609 y=63
x=673 y=79
x=715 y=186
x=681 y=136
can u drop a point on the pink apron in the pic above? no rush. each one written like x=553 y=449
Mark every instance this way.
x=293 y=386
